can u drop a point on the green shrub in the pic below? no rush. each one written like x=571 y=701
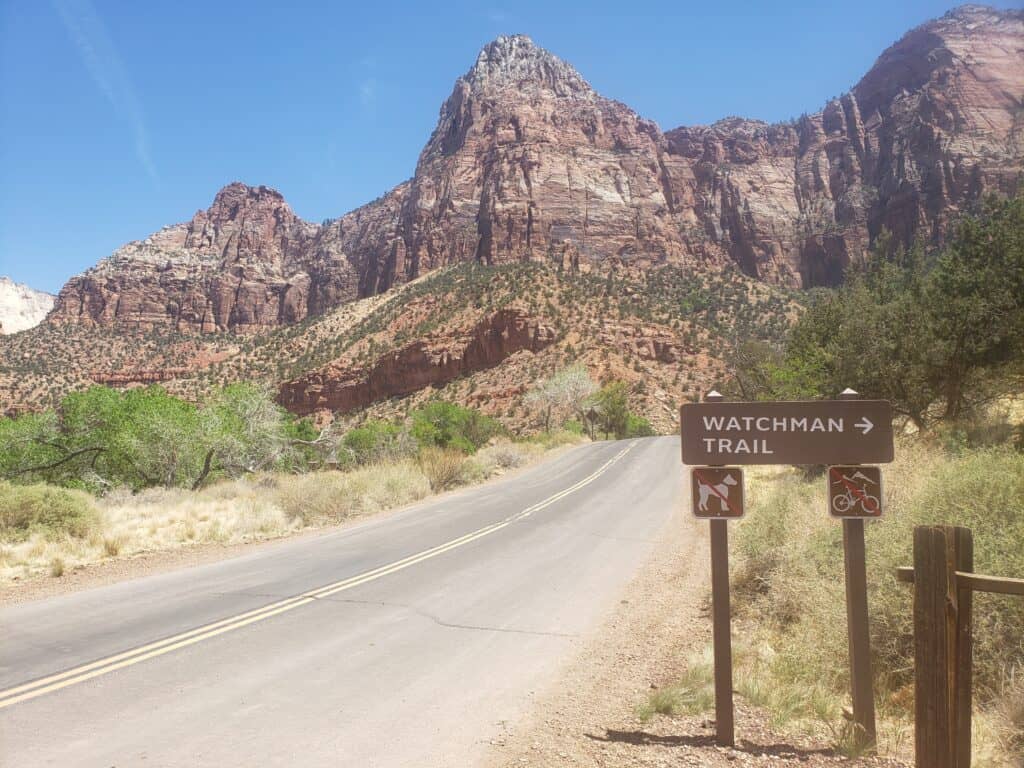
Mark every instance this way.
x=573 y=426
x=638 y=426
x=54 y=512
x=447 y=425
x=377 y=440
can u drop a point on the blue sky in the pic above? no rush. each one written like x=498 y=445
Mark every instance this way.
x=117 y=118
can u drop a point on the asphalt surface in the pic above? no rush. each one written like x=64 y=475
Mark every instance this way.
x=408 y=640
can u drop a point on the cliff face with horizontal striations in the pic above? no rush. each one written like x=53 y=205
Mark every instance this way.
x=528 y=162
x=934 y=124
x=423 y=363
x=246 y=263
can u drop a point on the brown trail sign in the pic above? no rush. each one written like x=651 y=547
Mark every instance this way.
x=847 y=432
x=798 y=432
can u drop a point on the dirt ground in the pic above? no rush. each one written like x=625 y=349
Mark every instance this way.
x=588 y=718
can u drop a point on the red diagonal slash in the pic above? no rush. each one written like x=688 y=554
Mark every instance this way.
x=714 y=490
x=861 y=495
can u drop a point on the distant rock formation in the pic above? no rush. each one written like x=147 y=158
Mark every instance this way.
x=427 y=362
x=21 y=307
x=246 y=263
x=528 y=162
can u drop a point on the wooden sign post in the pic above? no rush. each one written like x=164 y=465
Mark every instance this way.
x=721 y=630
x=848 y=431
x=857 y=629
x=711 y=492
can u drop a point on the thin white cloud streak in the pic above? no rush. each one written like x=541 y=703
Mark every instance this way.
x=368 y=92
x=104 y=65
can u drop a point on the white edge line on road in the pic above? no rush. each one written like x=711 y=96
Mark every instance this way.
x=103 y=666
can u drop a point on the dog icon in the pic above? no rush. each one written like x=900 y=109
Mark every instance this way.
x=721 y=491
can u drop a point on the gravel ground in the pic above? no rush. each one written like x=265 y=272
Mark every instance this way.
x=588 y=717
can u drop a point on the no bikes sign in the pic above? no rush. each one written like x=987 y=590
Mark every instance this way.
x=855 y=491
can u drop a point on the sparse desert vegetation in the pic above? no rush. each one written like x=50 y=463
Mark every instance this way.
x=663 y=330
x=46 y=529
x=114 y=474
x=942 y=337
x=788 y=581
x=790 y=642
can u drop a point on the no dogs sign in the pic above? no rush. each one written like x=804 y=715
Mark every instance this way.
x=717 y=492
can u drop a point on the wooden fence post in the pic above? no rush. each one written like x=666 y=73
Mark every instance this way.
x=942 y=647
x=963 y=552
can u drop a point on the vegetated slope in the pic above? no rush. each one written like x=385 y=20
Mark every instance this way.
x=665 y=330
x=21 y=307
x=528 y=162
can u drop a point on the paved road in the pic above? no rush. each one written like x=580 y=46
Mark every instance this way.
x=404 y=641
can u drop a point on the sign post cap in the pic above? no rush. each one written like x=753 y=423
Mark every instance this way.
x=849 y=394
x=714 y=395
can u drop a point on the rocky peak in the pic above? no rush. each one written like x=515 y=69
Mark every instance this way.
x=514 y=72
x=528 y=162
x=237 y=199
x=515 y=61
x=972 y=43
x=974 y=14
x=247 y=223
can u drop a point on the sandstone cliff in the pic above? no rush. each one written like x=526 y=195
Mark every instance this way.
x=246 y=263
x=528 y=162
x=423 y=363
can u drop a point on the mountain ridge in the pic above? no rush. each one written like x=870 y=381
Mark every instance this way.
x=528 y=162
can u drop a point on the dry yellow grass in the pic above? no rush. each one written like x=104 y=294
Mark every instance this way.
x=233 y=512
x=789 y=594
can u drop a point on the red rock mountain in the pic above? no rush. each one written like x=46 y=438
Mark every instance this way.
x=423 y=363
x=528 y=162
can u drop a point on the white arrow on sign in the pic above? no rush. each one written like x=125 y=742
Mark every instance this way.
x=864 y=425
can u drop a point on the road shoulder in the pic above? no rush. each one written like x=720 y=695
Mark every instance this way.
x=153 y=562
x=588 y=716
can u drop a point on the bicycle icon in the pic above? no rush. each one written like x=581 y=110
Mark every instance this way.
x=854 y=497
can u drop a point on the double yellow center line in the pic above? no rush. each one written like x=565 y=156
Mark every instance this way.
x=128 y=658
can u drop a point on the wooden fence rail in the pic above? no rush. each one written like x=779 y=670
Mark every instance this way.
x=944 y=580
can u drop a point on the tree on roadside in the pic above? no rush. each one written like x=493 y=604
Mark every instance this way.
x=101 y=438
x=447 y=425
x=562 y=395
x=610 y=407
x=937 y=336
x=242 y=431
